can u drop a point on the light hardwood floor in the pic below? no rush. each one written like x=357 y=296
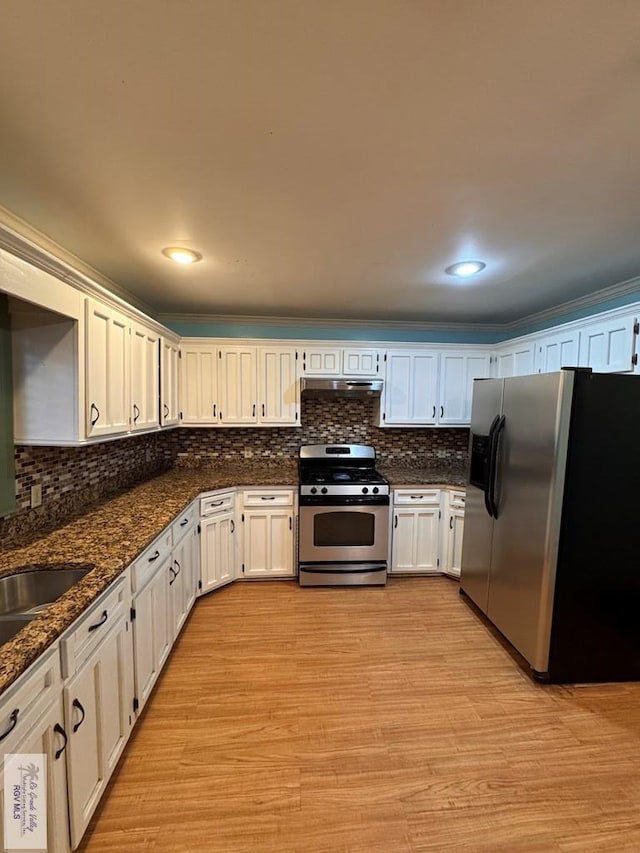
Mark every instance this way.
x=388 y=720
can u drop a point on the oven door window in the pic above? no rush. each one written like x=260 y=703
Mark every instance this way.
x=348 y=529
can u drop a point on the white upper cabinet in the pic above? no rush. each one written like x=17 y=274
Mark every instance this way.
x=145 y=377
x=457 y=372
x=279 y=389
x=169 y=410
x=107 y=370
x=557 y=350
x=608 y=345
x=515 y=359
x=341 y=361
x=237 y=384
x=198 y=388
x=411 y=388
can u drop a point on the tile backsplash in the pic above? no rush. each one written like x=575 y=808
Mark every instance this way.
x=72 y=478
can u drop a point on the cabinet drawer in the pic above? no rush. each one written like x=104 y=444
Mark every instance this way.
x=183 y=522
x=144 y=567
x=457 y=499
x=268 y=497
x=29 y=696
x=92 y=627
x=222 y=502
x=415 y=497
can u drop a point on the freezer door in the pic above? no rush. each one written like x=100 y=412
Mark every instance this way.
x=530 y=466
x=478 y=524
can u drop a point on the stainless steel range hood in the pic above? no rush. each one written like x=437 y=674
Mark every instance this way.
x=332 y=388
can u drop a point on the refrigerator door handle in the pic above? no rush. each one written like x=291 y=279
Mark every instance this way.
x=487 y=481
x=493 y=464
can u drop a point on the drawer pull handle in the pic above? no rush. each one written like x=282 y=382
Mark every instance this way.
x=441 y=411
x=166 y=410
x=13 y=716
x=182 y=523
x=434 y=411
x=58 y=728
x=290 y=523
x=155 y=557
x=214 y=409
x=173 y=574
x=217 y=503
x=179 y=567
x=95 y=420
x=233 y=526
x=76 y=704
x=103 y=619
x=267 y=498
x=395 y=522
x=253 y=413
x=136 y=413
x=263 y=410
x=451 y=523
x=416 y=497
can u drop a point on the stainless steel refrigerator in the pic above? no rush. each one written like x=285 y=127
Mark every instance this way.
x=551 y=548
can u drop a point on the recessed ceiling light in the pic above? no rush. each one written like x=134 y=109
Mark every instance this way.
x=464 y=269
x=181 y=256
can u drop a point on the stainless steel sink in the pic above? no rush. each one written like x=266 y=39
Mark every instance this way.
x=10 y=625
x=31 y=591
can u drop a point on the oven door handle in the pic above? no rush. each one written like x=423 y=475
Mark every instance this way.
x=347 y=569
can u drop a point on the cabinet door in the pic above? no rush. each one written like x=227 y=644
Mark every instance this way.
x=168 y=383
x=267 y=543
x=321 y=361
x=182 y=581
x=151 y=633
x=217 y=551
x=556 y=351
x=279 y=388
x=608 y=346
x=46 y=736
x=360 y=362
x=107 y=370
x=457 y=372
x=410 y=395
x=198 y=389
x=415 y=540
x=454 y=532
x=98 y=705
x=515 y=360
x=237 y=383
x=144 y=378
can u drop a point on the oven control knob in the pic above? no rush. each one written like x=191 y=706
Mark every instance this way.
x=375 y=490
x=324 y=490
x=313 y=490
x=364 y=490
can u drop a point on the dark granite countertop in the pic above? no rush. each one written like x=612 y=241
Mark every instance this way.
x=424 y=474
x=109 y=537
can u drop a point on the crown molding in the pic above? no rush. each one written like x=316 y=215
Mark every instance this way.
x=324 y=322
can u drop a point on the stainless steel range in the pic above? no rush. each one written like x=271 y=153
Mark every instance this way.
x=344 y=516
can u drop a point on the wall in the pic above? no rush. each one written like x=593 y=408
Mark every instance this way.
x=73 y=478
x=323 y=422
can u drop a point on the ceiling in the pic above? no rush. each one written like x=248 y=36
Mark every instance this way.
x=330 y=158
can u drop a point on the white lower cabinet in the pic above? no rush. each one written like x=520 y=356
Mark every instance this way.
x=32 y=722
x=98 y=708
x=183 y=578
x=151 y=632
x=453 y=529
x=268 y=533
x=217 y=540
x=416 y=531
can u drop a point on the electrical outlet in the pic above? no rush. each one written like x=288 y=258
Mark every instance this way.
x=36 y=495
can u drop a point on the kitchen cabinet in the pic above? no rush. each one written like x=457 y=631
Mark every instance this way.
x=237 y=386
x=557 y=350
x=169 y=360
x=322 y=361
x=184 y=574
x=341 y=361
x=515 y=358
x=98 y=700
x=410 y=396
x=457 y=373
x=416 y=531
x=145 y=378
x=217 y=540
x=268 y=533
x=452 y=530
x=607 y=345
x=107 y=370
x=198 y=387
x=32 y=722
x=151 y=615
x=279 y=389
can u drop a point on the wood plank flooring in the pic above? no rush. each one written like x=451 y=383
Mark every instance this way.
x=388 y=720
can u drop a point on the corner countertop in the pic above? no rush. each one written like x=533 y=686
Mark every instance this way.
x=108 y=537
x=425 y=474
